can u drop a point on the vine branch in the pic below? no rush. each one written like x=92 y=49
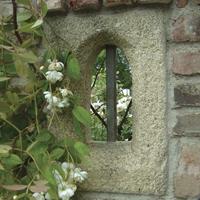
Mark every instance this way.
x=124 y=118
x=14 y=4
x=98 y=116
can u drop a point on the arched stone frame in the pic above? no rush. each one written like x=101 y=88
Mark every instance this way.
x=138 y=166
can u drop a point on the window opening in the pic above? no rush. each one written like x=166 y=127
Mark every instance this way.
x=111 y=96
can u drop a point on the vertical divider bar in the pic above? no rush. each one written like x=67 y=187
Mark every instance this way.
x=111 y=93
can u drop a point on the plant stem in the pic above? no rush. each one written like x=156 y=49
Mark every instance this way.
x=15 y=21
x=36 y=112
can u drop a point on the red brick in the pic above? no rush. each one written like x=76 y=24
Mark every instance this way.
x=187 y=125
x=186 y=28
x=181 y=3
x=77 y=5
x=187 y=95
x=115 y=3
x=186 y=63
x=187 y=177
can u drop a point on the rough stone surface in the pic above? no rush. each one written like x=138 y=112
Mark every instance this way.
x=181 y=3
x=126 y=167
x=113 y=3
x=77 y=5
x=187 y=178
x=188 y=125
x=116 y=196
x=186 y=63
x=186 y=28
x=56 y=5
x=187 y=95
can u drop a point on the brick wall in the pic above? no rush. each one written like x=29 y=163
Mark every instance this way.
x=184 y=87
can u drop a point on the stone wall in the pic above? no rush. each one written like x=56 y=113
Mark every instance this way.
x=161 y=39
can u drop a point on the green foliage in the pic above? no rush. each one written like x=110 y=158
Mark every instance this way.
x=73 y=69
x=82 y=115
x=29 y=152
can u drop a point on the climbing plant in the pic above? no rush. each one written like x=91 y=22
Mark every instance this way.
x=34 y=92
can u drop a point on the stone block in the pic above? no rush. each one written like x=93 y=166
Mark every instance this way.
x=154 y=1
x=181 y=3
x=187 y=125
x=138 y=166
x=114 y=3
x=77 y=5
x=56 y=5
x=196 y=1
x=186 y=63
x=187 y=95
x=187 y=177
x=186 y=28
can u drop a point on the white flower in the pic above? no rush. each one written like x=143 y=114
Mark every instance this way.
x=66 y=191
x=65 y=92
x=97 y=104
x=47 y=196
x=38 y=196
x=54 y=76
x=41 y=68
x=47 y=95
x=63 y=103
x=58 y=177
x=15 y=197
x=67 y=166
x=79 y=175
x=55 y=65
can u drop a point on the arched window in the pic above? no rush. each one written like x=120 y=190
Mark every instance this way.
x=111 y=96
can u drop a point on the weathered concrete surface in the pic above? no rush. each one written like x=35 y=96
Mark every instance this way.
x=139 y=166
x=111 y=196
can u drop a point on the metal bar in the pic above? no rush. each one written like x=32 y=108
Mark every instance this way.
x=111 y=93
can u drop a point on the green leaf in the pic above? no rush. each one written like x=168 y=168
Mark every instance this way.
x=78 y=129
x=26 y=28
x=22 y=68
x=4 y=149
x=44 y=8
x=38 y=23
x=73 y=68
x=11 y=161
x=40 y=186
x=23 y=16
x=12 y=97
x=4 y=107
x=82 y=115
x=15 y=187
x=24 y=2
x=1 y=167
x=57 y=153
x=4 y=79
x=82 y=149
x=37 y=147
x=44 y=136
x=27 y=56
